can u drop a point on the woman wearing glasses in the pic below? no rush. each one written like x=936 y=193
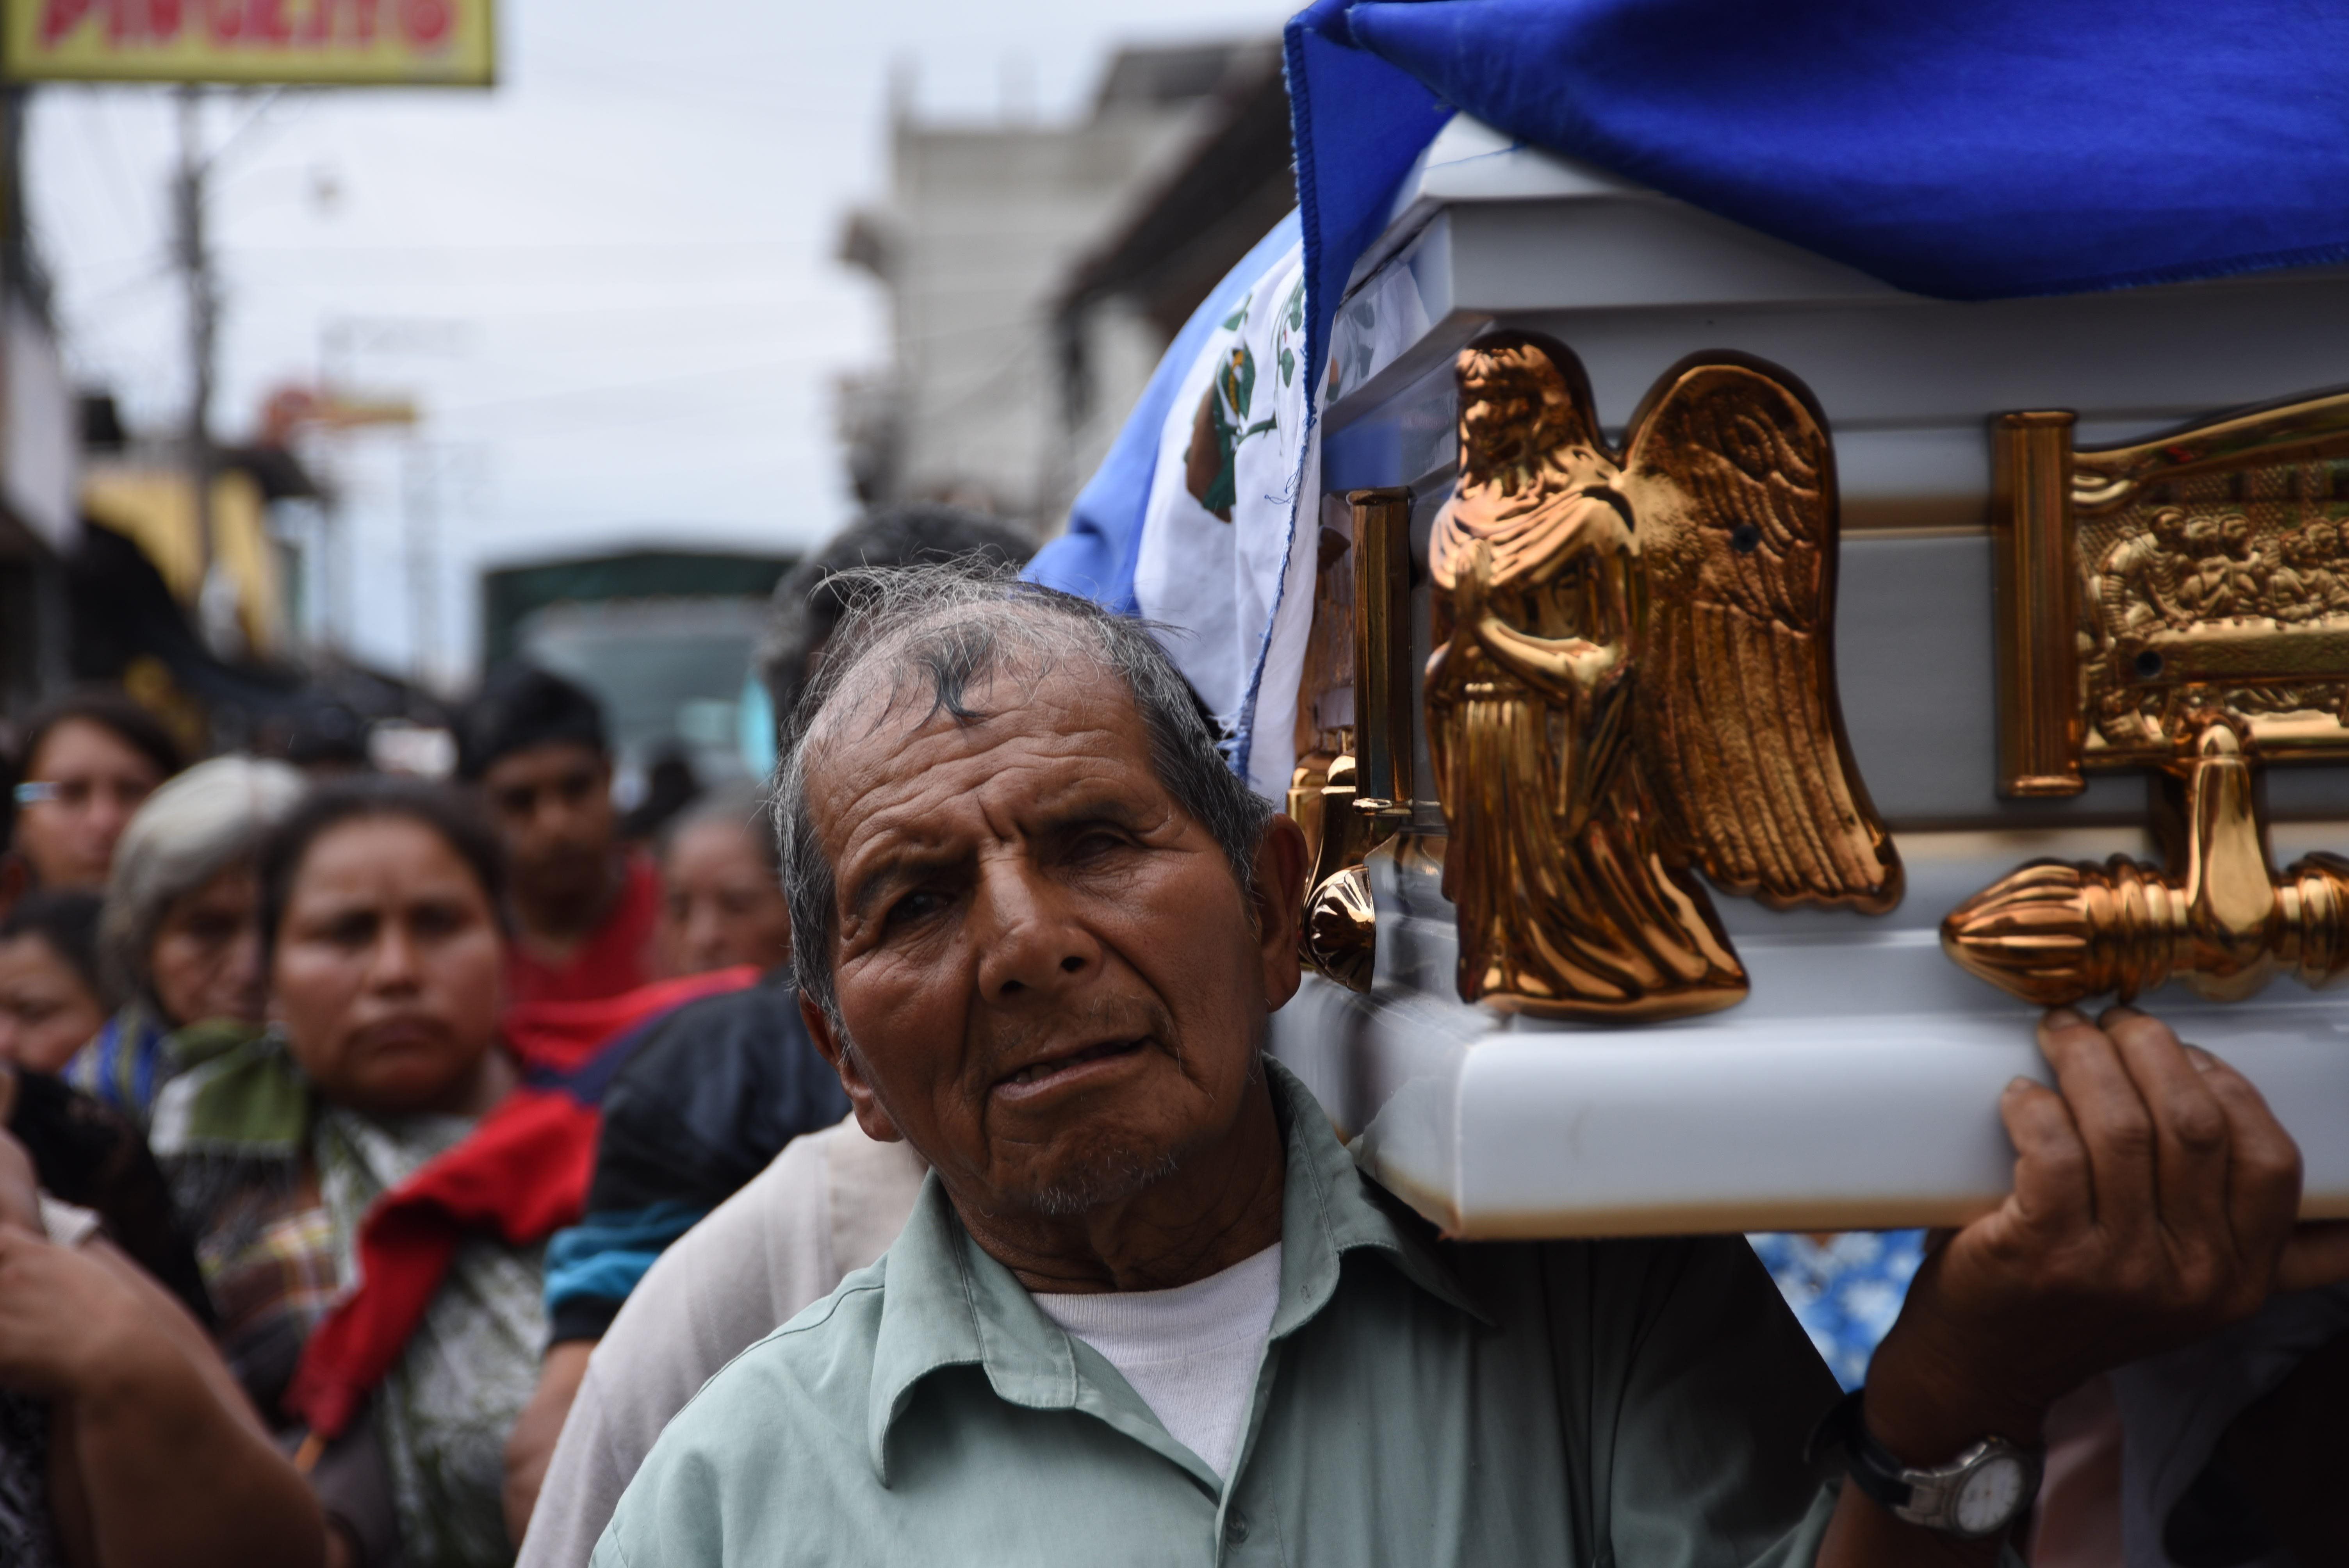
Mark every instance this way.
x=90 y=759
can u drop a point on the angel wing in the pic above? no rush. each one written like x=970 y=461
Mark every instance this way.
x=1731 y=485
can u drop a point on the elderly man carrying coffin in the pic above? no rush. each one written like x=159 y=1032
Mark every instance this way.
x=1146 y=1309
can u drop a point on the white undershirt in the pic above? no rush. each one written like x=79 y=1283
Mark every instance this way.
x=1191 y=1352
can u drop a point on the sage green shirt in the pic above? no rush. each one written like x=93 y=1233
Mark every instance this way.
x=1639 y=1404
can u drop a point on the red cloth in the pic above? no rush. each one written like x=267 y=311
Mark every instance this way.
x=616 y=957
x=519 y=1175
x=563 y=1037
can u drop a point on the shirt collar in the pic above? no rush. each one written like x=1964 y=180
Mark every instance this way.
x=946 y=1303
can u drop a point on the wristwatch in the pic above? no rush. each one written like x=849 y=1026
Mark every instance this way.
x=1980 y=1493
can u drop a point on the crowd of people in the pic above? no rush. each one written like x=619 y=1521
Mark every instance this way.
x=344 y=1111
x=402 y=1172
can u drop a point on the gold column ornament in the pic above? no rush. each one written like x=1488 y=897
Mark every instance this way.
x=1325 y=689
x=2181 y=605
x=1634 y=681
x=1382 y=649
x=1358 y=673
x=2217 y=920
x=2038 y=603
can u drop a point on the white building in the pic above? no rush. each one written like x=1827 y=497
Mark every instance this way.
x=1021 y=328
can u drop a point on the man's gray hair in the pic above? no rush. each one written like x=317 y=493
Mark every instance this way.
x=196 y=826
x=807 y=604
x=938 y=630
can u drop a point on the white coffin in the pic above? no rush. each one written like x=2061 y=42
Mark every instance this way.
x=1858 y=1084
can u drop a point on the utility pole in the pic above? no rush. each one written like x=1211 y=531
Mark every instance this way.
x=334 y=542
x=421 y=502
x=194 y=257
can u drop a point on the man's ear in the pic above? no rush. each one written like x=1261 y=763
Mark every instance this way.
x=1278 y=894
x=870 y=1114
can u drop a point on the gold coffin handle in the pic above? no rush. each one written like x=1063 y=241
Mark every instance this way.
x=2219 y=920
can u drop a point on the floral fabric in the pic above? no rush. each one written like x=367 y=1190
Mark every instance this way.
x=1845 y=1289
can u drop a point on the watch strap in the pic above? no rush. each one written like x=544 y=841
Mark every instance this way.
x=1842 y=1436
x=1878 y=1471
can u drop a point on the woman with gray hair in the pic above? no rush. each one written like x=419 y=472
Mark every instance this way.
x=179 y=934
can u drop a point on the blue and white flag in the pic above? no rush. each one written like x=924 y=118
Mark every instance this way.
x=1229 y=440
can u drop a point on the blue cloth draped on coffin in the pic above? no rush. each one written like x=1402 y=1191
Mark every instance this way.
x=1968 y=149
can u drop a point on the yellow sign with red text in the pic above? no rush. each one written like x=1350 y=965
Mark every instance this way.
x=386 y=43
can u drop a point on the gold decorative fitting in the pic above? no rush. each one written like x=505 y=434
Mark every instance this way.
x=1634 y=681
x=2219 y=920
x=1341 y=929
x=1353 y=786
x=2142 y=586
x=2180 y=604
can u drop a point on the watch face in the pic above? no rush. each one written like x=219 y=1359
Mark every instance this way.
x=1991 y=1495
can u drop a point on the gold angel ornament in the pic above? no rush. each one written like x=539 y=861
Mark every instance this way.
x=1634 y=682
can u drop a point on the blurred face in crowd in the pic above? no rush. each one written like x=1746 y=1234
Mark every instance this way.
x=90 y=780
x=721 y=904
x=553 y=807
x=46 y=1013
x=385 y=971
x=205 y=960
x=1050 y=982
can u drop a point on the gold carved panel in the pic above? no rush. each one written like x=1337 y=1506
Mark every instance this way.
x=2143 y=587
x=1633 y=683
x=2180 y=604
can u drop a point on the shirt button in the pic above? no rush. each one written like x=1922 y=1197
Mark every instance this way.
x=1235 y=1527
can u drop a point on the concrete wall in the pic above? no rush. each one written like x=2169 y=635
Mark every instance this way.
x=981 y=226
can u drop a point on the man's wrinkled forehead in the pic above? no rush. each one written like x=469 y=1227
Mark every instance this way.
x=887 y=701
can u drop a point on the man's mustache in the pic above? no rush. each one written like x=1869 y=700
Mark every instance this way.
x=1014 y=1043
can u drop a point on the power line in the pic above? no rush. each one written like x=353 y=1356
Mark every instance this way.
x=517 y=247
x=646 y=383
x=649 y=416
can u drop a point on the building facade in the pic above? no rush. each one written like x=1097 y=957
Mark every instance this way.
x=38 y=445
x=1035 y=272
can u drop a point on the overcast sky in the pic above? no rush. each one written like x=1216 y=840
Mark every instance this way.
x=609 y=281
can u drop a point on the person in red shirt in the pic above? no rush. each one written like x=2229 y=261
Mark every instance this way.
x=586 y=909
